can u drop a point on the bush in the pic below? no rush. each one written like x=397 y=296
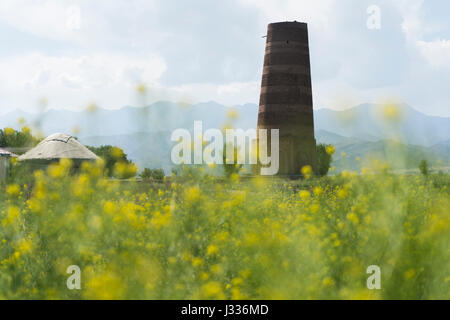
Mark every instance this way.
x=233 y=168
x=116 y=162
x=324 y=158
x=17 y=139
x=423 y=167
x=152 y=174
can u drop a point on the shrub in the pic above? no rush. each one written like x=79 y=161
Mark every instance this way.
x=152 y=174
x=324 y=158
x=423 y=167
x=117 y=163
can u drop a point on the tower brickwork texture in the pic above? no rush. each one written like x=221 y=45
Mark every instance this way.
x=286 y=96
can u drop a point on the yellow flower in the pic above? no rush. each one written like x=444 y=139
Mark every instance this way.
x=234 y=177
x=315 y=208
x=237 y=281
x=328 y=282
x=109 y=207
x=192 y=194
x=9 y=131
x=318 y=191
x=125 y=170
x=80 y=185
x=26 y=130
x=212 y=249
x=24 y=246
x=410 y=273
x=213 y=290
x=196 y=262
x=330 y=149
x=141 y=89
x=92 y=108
x=13 y=189
x=55 y=171
x=106 y=286
x=232 y=114
x=160 y=220
x=116 y=152
x=353 y=218
x=391 y=112
x=304 y=194
x=307 y=171
x=12 y=214
x=342 y=193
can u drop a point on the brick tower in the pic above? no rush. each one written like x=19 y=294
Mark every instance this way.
x=286 y=96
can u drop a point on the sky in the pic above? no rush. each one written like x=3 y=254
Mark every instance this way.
x=68 y=54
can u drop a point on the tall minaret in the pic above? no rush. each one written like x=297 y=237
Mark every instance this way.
x=286 y=96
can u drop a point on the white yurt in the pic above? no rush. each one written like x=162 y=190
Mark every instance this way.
x=58 y=146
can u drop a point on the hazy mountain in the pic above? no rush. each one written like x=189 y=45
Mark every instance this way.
x=160 y=116
x=372 y=122
x=398 y=155
x=366 y=121
x=146 y=149
x=144 y=133
x=327 y=137
x=153 y=150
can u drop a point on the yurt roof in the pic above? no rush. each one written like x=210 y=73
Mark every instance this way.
x=59 y=146
x=6 y=153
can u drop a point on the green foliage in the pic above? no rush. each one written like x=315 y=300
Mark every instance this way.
x=152 y=174
x=324 y=159
x=17 y=139
x=423 y=167
x=224 y=239
x=233 y=168
x=116 y=161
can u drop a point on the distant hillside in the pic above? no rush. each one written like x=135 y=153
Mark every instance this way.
x=368 y=122
x=324 y=136
x=144 y=133
x=147 y=150
x=398 y=155
x=359 y=152
x=160 y=116
x=153 y=150
x=365 y=122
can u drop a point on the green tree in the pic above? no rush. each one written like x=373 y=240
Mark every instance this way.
x=152 y=174
x=324 y=158
x=113 y=156
x=230 y=169
x=423 y=167
x=17 y=139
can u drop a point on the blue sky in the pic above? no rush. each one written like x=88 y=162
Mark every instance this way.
x=74 y=53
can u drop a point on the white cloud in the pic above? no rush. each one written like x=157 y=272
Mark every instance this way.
x=109 y=80
x=317 y=13
x=75 y=80
x=82 y=22
x=437 y=52
x=212 y=50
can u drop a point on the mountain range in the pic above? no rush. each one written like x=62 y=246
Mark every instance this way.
x=365 y=131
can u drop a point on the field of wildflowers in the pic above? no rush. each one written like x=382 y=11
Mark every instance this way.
x=215 y=238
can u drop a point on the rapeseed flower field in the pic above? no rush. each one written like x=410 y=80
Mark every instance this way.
x=214 y=238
